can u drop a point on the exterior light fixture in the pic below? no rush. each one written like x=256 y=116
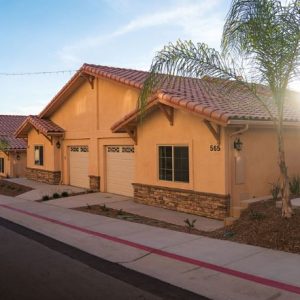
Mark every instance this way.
x=18 y=157
x=58 y=145
x=237 y=144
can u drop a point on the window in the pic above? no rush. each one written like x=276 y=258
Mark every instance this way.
x=174 y=163
x=38 y=155
x=1 y=165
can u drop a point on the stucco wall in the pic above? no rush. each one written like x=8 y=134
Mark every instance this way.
x=87 y=116
x=259 y=158
x=50 y=155
x=14 y=167
x=207 y=168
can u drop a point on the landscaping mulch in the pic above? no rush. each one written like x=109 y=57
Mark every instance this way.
x=259 y=225
x=8 y=188
x=120 y=214
x=262 y=225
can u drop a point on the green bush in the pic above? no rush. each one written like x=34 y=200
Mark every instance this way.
x=56 y=196
x=256 y=215
x=190 y=224
x=295 y=185
x=45 y=198
x=65 y=194
x=275 y=190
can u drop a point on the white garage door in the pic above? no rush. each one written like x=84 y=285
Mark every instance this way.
x=120 y=169
x=79 y=166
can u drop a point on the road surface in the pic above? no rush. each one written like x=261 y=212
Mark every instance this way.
x=33 y=266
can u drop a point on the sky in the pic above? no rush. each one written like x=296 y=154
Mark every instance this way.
x=41 y=35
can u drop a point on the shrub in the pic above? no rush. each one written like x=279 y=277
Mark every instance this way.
x=120 y=212
x=256 y=215
x=104 y=208
x=275 y=190
x=56 y=195
x=45 y=198
x=190 y=224
x=295 y=185
x=65 y=194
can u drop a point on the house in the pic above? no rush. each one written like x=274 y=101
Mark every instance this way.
x=12 y=149
x=193 y=150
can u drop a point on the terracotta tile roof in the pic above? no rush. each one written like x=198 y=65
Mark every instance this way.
x=200 y=96
x=8 y=125
x=12 y=143
x=44 y=126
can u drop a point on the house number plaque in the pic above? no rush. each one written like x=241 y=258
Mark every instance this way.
x=214 y=148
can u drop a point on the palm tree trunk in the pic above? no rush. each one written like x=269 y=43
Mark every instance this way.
x=284 y=178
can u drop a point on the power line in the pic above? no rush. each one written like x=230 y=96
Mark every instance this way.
x=37 y=73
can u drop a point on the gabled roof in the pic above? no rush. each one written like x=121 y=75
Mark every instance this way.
x=199 y=96
x=44 y=126
x=8 y=125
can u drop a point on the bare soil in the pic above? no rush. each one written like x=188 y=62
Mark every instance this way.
x=259 y=225
x=8 y=188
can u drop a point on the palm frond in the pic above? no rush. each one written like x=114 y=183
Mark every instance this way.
x=199 y=61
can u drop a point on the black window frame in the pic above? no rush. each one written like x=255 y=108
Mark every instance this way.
x=40 y=160
x=2 y=167
x=173 y=163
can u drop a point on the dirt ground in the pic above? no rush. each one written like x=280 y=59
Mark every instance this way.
x=12 y=189
x=260 y=225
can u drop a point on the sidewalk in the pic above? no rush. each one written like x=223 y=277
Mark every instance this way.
x=213 y=268
x=128 y=205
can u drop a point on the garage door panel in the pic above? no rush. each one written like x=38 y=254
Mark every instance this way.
x=79 y=162
x=120 y=169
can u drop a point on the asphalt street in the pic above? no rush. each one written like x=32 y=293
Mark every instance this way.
x=33 y=266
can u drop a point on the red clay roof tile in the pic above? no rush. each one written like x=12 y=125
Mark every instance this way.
x=8 y=125
x=185 y=92
x=47 y=127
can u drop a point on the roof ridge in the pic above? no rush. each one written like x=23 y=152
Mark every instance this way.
x=112 y=67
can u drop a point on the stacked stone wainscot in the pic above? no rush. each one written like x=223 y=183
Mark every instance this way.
x=94 y=183
x=51 y=177
x=203 y=204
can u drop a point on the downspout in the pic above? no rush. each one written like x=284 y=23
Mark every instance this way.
x=240 y=131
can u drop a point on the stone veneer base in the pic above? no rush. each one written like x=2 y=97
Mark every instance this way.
x=203 y=204
x=51 y=177
x=94 y=183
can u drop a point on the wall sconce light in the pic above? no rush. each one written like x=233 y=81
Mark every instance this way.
x=18 y=157
x=58 y=145
x=237 y=144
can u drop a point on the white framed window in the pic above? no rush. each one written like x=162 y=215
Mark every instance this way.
x=174 y=163
x=39 y=155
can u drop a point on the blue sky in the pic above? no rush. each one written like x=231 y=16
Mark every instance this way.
x=41 y=35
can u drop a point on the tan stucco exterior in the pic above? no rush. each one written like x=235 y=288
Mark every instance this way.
x=88 y=114
x=207 y=168
x=14 y=163
x=259 y=157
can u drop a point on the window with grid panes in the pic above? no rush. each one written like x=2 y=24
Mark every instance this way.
x=174 y=163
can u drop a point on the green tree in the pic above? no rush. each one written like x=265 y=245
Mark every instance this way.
x=260 y=46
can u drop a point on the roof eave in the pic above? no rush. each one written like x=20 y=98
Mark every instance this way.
x=261 y=123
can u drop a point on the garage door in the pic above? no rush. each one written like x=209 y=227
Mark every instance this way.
x=79 y=166
x=120 y=169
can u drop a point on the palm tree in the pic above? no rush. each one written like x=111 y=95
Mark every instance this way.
x=260 y=46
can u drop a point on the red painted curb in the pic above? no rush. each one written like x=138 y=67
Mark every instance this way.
x=196 y=262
